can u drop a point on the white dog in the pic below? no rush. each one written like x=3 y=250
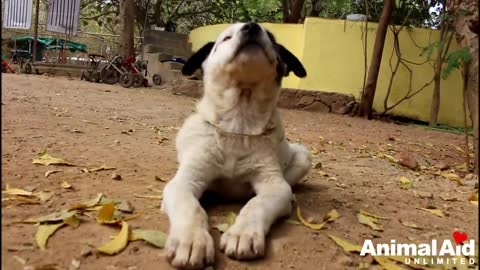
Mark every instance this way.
x=234 y=144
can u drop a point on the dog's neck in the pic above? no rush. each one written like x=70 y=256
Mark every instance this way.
x=244 y=109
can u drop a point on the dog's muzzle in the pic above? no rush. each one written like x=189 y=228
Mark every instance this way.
x=250 y=30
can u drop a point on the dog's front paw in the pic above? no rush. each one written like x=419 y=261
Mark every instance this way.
x=190 y=249
x=243 y=241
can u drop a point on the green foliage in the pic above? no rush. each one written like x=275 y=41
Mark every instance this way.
x=412 y=12
x=455 y=60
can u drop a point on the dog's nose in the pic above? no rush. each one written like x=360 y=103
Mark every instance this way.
x=251 y=29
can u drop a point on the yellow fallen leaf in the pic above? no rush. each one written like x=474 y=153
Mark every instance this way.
x=117 y=244
x=45 y=159
x=474 y=202
x=391 y=158
x=20 y=259
x=454 y=177
x=159 y=197
x=44 y=195
x=72 y=221
x=363 y=212
x=293 y=222
x=410 y=224
x=89 y=122
x=44 y=232
x=223 y=227
x=21 y=199
x=332 y=216
x=104 y=167
x=47 y=173
x=65 y=185
x=347 y=246
x=369 y=221
x=308 y=224
x=459 y=149
x=16 y=191
x=90 y=203
x=105 y=215
x=156 y=238
x=473 y=197
x=405 y=183
x=387 y=264
x=436 y=212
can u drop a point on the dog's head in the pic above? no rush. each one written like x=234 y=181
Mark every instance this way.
x=245 y=53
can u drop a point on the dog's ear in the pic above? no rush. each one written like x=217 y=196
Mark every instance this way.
x=292 y=63
x=196 y=60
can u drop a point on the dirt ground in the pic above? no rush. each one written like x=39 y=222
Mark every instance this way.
x=134 y=130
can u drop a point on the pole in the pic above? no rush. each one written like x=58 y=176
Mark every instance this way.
x=144 y=27
x=37 y=9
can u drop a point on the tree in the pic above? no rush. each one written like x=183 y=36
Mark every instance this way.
x=292 y=10
x=466 y=17
x=127 y=19
x=368 y=94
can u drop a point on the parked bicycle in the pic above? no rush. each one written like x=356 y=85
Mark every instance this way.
x=92 y=74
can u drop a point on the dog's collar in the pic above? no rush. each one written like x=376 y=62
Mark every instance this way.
x=266 y=132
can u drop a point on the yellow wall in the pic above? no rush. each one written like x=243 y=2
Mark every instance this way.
x=332 y=53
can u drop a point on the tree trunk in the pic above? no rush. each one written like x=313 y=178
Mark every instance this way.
x=127 y=18
x=368 y=94
x=437 y=78
x=467 y=38
x=316 y=8
x=292 y=10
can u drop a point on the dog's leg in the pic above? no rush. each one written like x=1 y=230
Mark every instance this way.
x=299 y=164
x=245 y=239
x=189 y=244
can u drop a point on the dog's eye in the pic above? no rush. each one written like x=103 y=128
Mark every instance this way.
x=226 y=38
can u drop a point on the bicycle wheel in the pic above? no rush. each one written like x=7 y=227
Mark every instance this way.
x=138 y=80
x=157 y=79
x=126 y=80
x=109 y=75
x=28 y=68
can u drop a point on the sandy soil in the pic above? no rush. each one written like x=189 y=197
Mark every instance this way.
x=134 y=130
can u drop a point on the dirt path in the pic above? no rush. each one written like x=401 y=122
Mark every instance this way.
x=134 y=130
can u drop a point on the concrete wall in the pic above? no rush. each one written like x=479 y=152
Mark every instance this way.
x=175 y=44
x=332 y=53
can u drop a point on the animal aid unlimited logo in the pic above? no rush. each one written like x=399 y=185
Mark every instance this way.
x=461 y=251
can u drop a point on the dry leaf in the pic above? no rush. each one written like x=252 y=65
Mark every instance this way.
x=474 y=202
x=72 y=222
x=124 y=206
x=387 y=264
x=369 y=221
x=391 y=158
x=448 y=198
x=117 y=244
x=436 y=212
x=347 y=246
x=89 y=122
x=156 y=238
x=51 y=172
x=65 y=185
x=20 y=259
x=45 y=159
x=410 y=224
x=45 y=195
x=363 y=212
x=459 y=149
x=44 y=232
x=159 y=197
x=56 y=216
x=16 y=191
x=405 y=183
x=105 y=215
x=21 y=199
x=223 y=227
x=331 y=216
x=90 y=203
x=474 y=197
x=293 y=222
x=453 y=177
x=104 y=167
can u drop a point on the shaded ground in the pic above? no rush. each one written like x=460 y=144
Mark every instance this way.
x=134 y=130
